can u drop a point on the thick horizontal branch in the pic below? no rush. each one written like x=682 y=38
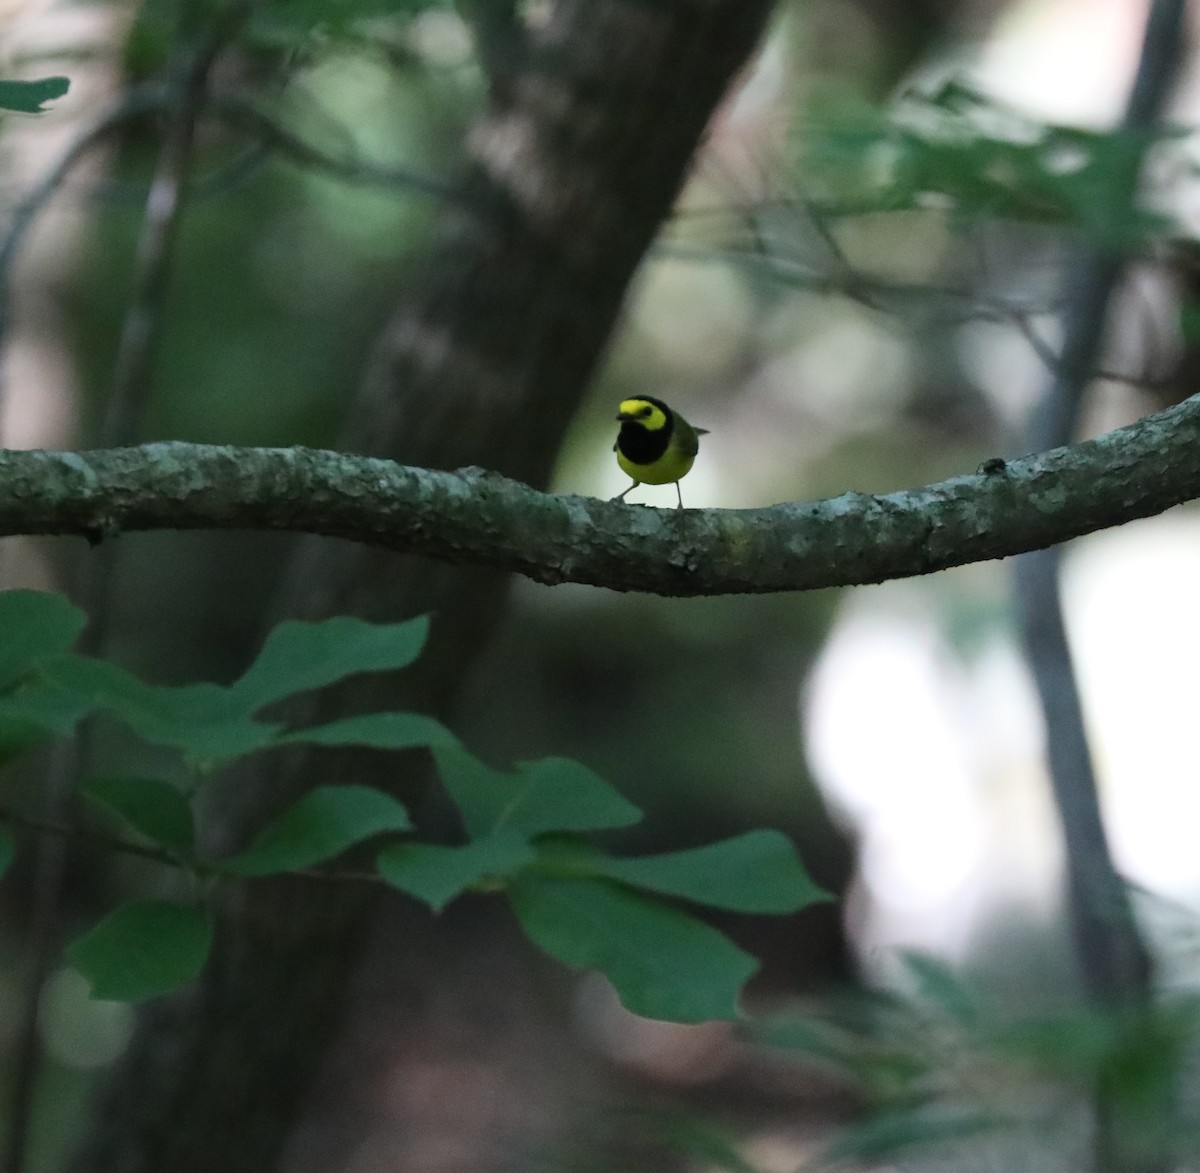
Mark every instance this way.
x=474 y=516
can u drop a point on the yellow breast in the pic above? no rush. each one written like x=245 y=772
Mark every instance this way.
x=669 y=467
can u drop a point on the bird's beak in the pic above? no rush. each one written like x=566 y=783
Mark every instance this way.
x=622 y=416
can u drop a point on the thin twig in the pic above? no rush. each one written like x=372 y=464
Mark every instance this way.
x=63 y=830
x=222 y=178
x=136 y=103
x=881 y=296
x=270 y=138
x=230 y=175
x=247 y=117
x=160 y=224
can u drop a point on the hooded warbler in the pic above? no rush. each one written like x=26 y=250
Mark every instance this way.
x=656 y=445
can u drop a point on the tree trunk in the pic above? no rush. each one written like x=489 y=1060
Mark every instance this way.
x=592 y=121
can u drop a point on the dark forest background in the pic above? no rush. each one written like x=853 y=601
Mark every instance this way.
x=459 y=234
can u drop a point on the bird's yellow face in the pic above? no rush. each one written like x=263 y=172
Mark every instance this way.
x=643 y=413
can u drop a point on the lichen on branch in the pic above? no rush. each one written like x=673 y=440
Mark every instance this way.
x=475 y=516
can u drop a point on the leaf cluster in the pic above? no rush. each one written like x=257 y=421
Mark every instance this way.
x=297 y=29
x=529 y=832
x=956 y=149
x=941 y=1064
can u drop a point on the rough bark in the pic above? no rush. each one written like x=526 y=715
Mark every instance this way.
x=478 y=517
x=586 y=142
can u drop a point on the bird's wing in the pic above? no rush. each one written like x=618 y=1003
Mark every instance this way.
x=689 y=438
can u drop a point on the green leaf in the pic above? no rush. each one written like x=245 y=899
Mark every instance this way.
x=322 y=824
x=843 y=1051
x=691 y=1136
x=203 y=720
x=938 y=985
x=376 y=730
x=211 y=723
x=152 y=807
x=299 y=657
x=980 y=158
x=34 y=625
x=663 y=963
x=8 y=849
x=893 y=1133
x=38 y=712
x=18 y=737
x=1074 y=1044
x=143 y=949
x=758 y=872
x=43 y=703
x=27 y=97
x=554 y=794
x=292 y=23
x=437 y=874
x=1189 y=321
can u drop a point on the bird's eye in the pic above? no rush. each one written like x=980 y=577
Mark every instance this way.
x=644 y=411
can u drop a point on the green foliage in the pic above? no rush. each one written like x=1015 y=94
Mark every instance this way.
x=152 y=808
x=287 y=25
x=205 y=721
x=697 y=1140
x=527 y=831
x=662 y=963
x=299 y=657
x=957 y=148
x=436 y=874
x=8 y=849
x=325 y=822
x=36 y=626
x=377 y=731
x=299 y=23
x=143 y=949
x=542 y=797
x=936 y=984
x=895 y=1134
x=30 y=97
x=39 y=629
x=757 y=872
x=40 y=713
x=1189 y=321
x=213 y=724
x=588 y=908
x=942 y=1065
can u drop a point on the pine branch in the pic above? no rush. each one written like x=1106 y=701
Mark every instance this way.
x=476 y=517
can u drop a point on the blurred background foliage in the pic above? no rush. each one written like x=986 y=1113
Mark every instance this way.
x=858 y=291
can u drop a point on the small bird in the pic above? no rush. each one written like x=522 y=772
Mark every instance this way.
x=656 y=445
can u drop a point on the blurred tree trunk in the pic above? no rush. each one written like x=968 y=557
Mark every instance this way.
x=592 y=121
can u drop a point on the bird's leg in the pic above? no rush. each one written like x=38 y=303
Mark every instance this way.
x=679 y=495
x=621 y=496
